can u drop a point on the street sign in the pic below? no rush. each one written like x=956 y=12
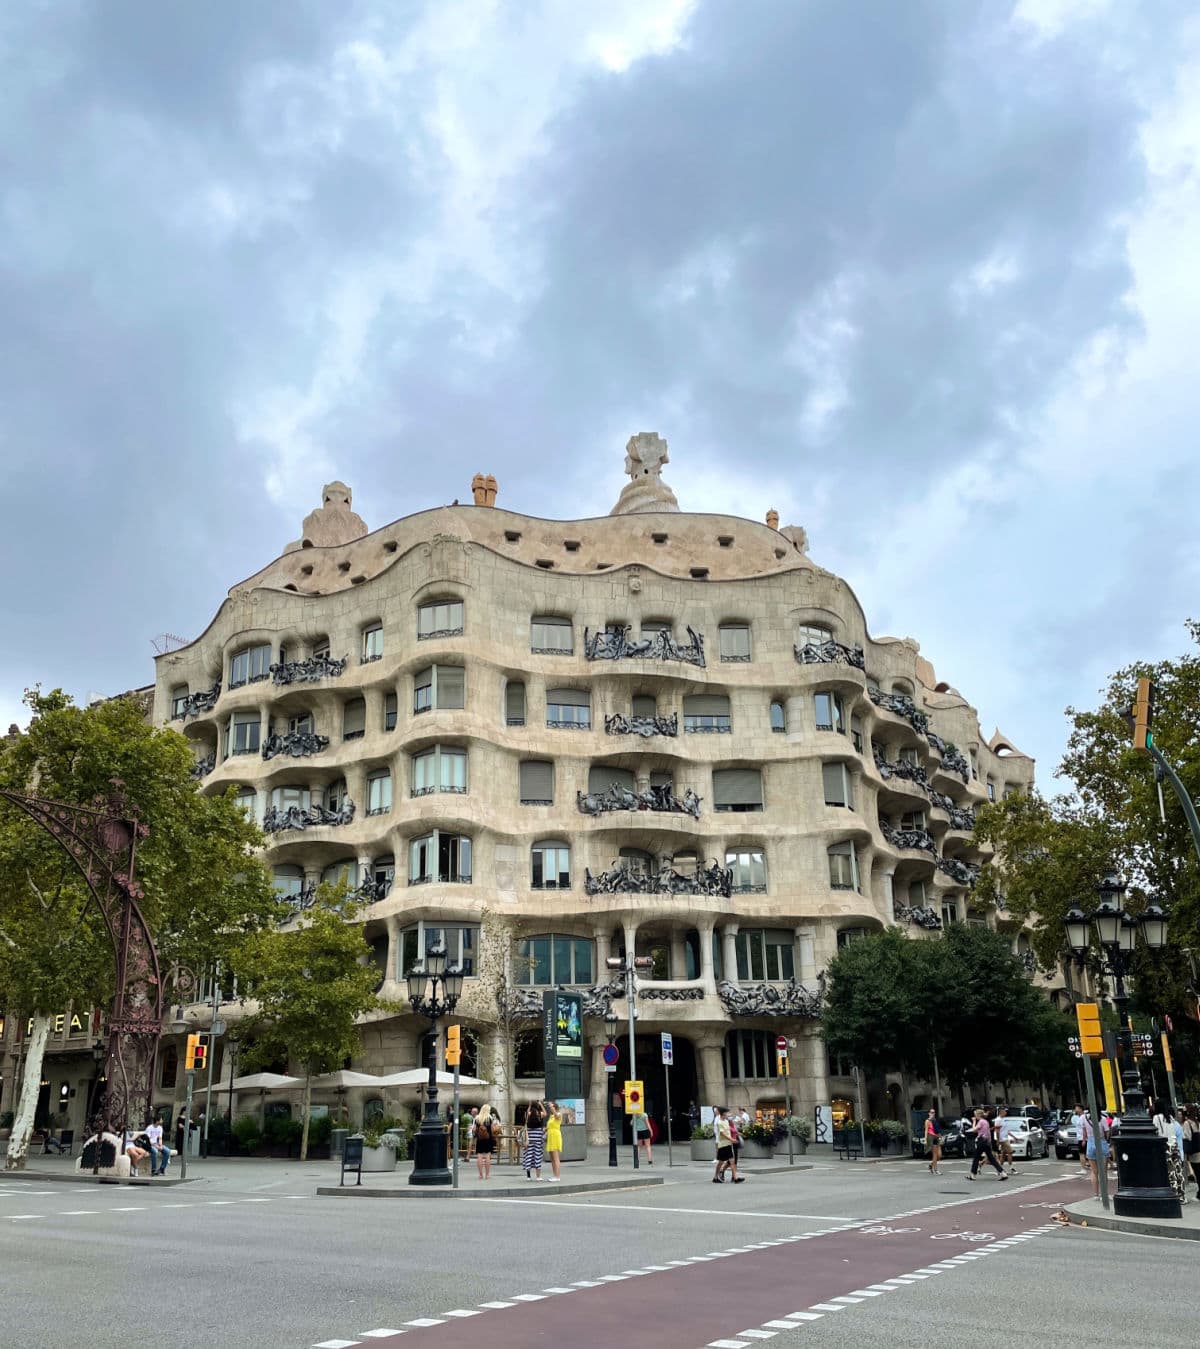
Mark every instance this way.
x=635 y=1099
x=1073 y=1046
x=781 y=1043
x=611 y=1055
x=668 y=1048
x=218 y=1027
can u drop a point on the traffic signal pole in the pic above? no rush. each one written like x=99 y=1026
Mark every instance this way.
x=1140 y=718
x=1189 y=806
x=187 y=1125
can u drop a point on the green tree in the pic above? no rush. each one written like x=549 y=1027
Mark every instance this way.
x=308 y=984
x=203 y=887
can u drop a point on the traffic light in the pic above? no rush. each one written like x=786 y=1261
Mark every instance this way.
x=635 y=1098
x=453 y=1046
x=1143 y=714
x=1087 y=1015
x=781 y=1062
x=196 y=1059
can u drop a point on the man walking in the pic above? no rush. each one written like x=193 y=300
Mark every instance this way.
x=983 y=1147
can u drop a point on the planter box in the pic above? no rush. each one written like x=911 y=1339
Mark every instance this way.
x=798 y=1149
x=379 y=1159
x=704 y=1149
x=753 y=1151
x=574 y=1148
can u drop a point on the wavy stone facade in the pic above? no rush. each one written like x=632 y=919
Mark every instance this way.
x=736 y=812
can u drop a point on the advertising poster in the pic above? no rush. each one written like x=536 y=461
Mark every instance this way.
x=568 y=1026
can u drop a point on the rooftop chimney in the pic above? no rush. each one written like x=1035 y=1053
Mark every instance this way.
x=772 y=519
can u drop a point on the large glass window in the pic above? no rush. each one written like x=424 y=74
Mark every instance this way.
x=179 y=697
x=389 y=712
x=372 y=643
x=734 y=641
x=444 y=618
x=551 y=866
x=460 y=941
x=536 y=782
x=569 y=708
x=354 y=719
x=843 y=866
x=287 y=798
x=249 y=665
x=828 y=708
x=439 y=686
x=383 y=873
x=243 y=733
x=778 y=716
x=438 y=857
x=288 y=881
x=839 y=790
x=812 y=634
x=706 y=712
x=750 y=1054
x=514 y=703
x=439 y=769
x=846 y=935
x=737 y=789
x=555 y=959
x=246 y=801
x=379 y=792
x=764 y=953
x=550 y=635
x=856 y=733
x=601 y=777
x=749 y=869
x=344 y=872
x=643 y=705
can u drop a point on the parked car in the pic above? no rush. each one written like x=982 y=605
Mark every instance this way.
x=954 y=1144
x=1024 y=1135
x=1067 y=1140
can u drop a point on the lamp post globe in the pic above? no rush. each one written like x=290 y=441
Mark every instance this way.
x=1079 y=930
x=1154 y=927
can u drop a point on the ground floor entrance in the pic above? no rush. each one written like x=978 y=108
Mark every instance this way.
x=653 y=1073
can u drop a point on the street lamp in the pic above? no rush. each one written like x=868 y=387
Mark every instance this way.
x=626 y=966
x=610 y=1030
x=1143 y=1188
x=99 y=1054
x=433 y=991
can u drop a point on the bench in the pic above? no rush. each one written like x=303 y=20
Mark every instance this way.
x=847 y=1144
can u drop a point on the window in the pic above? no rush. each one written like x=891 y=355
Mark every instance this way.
x=650 y=626
x=551 y=636
x=249 y=665
x=555 y=959
x=243 y=733
x=734 y=641
x=991 y=789
x=737 y=789
x=536 y=782
x=643 y=705
x=288 y=881
x=850 y=934
x=289 y=798
x=568 y=707
x=813 y=634
x=439 y=686
x=460 y=942
x=340 y=873
x=379 y=792
x=856 y=733
x=383 y=873
x=321 y=649
x=662 y=780
x=246 y=801
x=389 y=712
x=372 y=643
x=514 y=703
x=354 y=719
x=778 y=717
x=749 y=1054
x=907 y=754
x=764 y=954
x=843 y=866
x=829 y=713
x=636 y=862
x=444 y=858
x=179 y=697
x=839 y=789
x=335 y=794
x=912 y=819
x=300 y=724
x=749 y=870
x=551 y=867
x=169 y=1069
x=706 y=712
x=949 y=911
x=975 y=765
x=441 y=619
x=601 y=777
x=440 y=769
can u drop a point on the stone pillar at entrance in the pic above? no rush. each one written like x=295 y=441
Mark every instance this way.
x=710 y=1071
x=805 y=955
x=597 y=1100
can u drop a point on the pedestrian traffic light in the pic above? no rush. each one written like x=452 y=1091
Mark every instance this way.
x=635 y=1098
x=189 y=1061
x=1087 y=1015
x=781 y=1062
x=453 y=1046
x=1143 y=714
x=196 y=1059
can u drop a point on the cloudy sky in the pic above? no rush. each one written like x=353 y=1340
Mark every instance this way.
x=921 y=276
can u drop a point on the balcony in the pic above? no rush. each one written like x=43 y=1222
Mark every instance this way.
x=908 y=838
x=903 y=706
x=295 y=745
x=203 y=767
x=911 y=772
x=614 y=644
x=829 y=653
x=661 y=799
x=713 y=879
x=297 y=817
x=919 y=916
x=960 y=818
x=965 y=873
x=309 y=671
x=619 y=724
x=195 y=703
x=786 y=999
x=952 y=760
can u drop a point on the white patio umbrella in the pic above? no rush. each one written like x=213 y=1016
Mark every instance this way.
x=346 y=1077
x=417 y=1077
x=263 y=1083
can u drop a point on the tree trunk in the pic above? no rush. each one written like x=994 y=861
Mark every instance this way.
x=35 y=1053
x=305 y=1099
x=906 y=1096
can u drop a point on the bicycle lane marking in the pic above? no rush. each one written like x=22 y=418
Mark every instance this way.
x=705 y=1298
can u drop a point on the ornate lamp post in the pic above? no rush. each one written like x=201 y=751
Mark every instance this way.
x=434 y=992
x=1143 y=1188
x=610 y=1030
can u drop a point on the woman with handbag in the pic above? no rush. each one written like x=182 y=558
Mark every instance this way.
x=933 y=1143
x=535 y=1141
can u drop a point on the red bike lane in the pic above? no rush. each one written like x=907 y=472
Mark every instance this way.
x=715 y=1296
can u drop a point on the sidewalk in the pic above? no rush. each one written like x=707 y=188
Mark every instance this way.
x=1091 y=1212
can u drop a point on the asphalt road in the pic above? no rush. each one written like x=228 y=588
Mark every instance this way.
x=248 y=1256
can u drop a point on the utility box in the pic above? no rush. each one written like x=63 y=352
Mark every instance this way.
x=562 y=1036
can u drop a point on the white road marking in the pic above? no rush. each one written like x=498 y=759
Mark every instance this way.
x=497 y=1305
x=26 y=1217
x=78 y=1212
x=654 y=1208
x=335 y=1344
x=529 y=1297
x=461 y=1311
x=727 y=1344
x=804 y=1316
x=383 y=1331
x=758 y=1334
x=425 y=1321
x=827 y=1307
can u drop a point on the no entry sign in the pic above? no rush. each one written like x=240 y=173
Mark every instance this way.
x=781 y=1043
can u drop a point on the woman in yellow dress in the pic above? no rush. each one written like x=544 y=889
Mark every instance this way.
x=554 y=1139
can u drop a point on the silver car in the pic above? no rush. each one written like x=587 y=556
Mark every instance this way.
x=1026 y=1137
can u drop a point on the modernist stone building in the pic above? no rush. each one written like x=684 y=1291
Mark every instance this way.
x=655 y=731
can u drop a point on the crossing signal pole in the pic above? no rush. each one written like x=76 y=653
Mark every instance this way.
x=1140 y=719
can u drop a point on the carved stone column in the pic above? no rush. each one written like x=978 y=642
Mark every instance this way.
x=364 y=868
x=889 y=894
x=392 y=924
x=678 y=968
x=356 y=788
x=805 y=956
x=373 y=698
x=262 y=799
x=706 y=959
x=597 y=1100
x=603 y=939
x=264 y=723
x=711 y=1071
x=729 y=969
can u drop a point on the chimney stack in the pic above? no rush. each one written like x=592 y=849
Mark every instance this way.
x=483 y=489
x=772 y=519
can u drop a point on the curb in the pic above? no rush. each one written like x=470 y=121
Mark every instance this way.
x=1137 y=1227
x=86 y=1178
x=501 y=1192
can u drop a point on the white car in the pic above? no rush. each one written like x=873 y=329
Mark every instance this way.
x=1026 y=1136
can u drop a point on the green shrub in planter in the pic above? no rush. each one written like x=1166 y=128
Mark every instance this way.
x=799 y=1128
x=703 y=1131
x=247 y=1133
x=893 y=1131
x=759 y=1133
x=320 y=1130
